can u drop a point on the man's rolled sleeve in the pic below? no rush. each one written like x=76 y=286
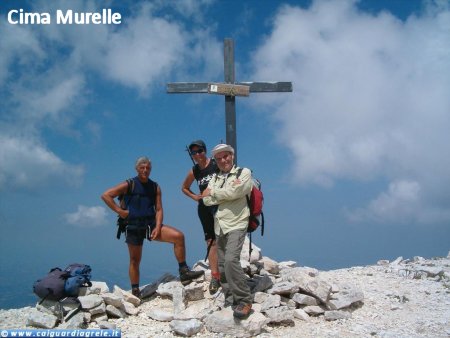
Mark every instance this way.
x=209 y=200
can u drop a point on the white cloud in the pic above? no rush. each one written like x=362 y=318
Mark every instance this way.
x=52 y=99
x=148 y=48
x=45 y=72
x=400 y=201
x=371 y=99
x=87 y=216
x=18 y=44
x=28 y=165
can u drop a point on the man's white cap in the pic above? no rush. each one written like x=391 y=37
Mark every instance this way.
x=222 y=147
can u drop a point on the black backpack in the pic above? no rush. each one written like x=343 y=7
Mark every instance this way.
x=51 y=286
x=59 y=284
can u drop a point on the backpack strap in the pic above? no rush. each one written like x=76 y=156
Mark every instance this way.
x=121 y=223
x=239 y=172
x=196 y=171
x=71 y=313
x=130 y=189
x=250 y=249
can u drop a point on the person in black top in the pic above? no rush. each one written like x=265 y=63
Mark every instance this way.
x=141 y=208
x=203 y=170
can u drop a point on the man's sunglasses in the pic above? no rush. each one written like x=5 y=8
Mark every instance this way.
x=195 y=152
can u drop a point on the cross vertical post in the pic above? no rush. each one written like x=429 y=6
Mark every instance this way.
x=230 y=101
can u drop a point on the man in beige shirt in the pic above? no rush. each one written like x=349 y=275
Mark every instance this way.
x=228 y=192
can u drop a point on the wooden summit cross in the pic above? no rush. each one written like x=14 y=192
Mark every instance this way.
x=230 y=89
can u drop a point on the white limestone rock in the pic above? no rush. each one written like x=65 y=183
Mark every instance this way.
x=90 y=301
x=76 y=322
x=186 y=328
x=196 y=310
x=194 y=291
x=281 y=315
x=114 y=312
x=255 y=255
x=112 y=299
x=345 y=298
x=313 y=310
x=223 y=322
x=301 y=314
x=41 y=320
x=302 y=299
x=270 y=265
x=272 y=301
x=127 y=296
x=283 y=288
x=129 y=308
x=160 y=315
x=99 y=309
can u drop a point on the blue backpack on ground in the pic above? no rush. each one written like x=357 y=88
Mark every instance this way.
x=59 y=284
x=78 y=275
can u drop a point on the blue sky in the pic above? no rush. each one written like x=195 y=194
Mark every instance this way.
x=354 y=162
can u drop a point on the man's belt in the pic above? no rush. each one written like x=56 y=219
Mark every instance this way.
x=122 y=223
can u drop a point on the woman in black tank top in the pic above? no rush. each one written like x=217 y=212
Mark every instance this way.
x=203 y=170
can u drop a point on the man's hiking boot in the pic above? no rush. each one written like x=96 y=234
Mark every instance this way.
x=136 y=292
x=214 y=286
x=187 y=275
x=242 y=311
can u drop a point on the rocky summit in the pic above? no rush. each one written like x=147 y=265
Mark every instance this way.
x=402 y=298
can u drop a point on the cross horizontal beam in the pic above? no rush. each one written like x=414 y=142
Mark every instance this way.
x=202 y=87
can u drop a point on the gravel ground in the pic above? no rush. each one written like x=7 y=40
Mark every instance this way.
x=394 y=306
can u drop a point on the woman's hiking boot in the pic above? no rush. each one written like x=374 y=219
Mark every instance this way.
x=136 y=292
x=214 y=286
x=242 y=311
x=187 y=275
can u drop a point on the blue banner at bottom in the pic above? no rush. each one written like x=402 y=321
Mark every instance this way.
x=60 y=333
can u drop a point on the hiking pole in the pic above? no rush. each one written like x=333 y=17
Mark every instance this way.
x=189 y=152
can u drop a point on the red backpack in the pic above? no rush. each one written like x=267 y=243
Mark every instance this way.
x=255 y=203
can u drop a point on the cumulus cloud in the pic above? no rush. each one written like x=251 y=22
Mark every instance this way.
x=87 y=216
x=17 y=45
x=400 y=200
x=141 y=53
x=40 y=95
x=51 y=101
x=370 y=101
x=44 y=76
x=28 y=165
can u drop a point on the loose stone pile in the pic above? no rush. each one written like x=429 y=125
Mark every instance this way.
x=406 y=297
x=282 y=292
